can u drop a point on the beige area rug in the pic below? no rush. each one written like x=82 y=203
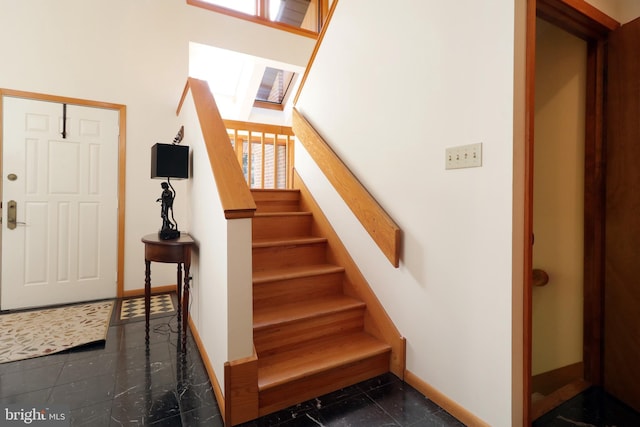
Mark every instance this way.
x=36 y=333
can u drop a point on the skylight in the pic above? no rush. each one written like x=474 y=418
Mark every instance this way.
x=275 y=85
x=245 y=87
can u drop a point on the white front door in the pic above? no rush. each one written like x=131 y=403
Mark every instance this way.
x=62 y=246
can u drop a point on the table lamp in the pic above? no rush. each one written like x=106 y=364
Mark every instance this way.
x=169 y=161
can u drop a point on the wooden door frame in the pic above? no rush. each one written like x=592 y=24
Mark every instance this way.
x=122 y=114
x=590 y=24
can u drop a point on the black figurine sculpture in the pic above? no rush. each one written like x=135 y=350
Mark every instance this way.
x=169 y=228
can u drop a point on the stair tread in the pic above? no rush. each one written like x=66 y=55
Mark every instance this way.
x=275 y=190
x=316 y=357
x=265 y=276
x=278 y=314
x=281 y=214
x=302 y=240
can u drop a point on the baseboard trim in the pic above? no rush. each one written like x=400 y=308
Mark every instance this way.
x=155 y=290
x=217 y=390
x=449 y=405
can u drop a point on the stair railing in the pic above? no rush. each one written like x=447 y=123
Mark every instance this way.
x=264 y=151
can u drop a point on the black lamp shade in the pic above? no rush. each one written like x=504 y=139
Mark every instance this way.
x=169 y=161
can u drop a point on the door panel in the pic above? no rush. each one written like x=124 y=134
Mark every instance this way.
x=64 y=248
x=622 y=247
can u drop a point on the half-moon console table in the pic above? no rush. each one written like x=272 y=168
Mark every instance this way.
x=169 y=251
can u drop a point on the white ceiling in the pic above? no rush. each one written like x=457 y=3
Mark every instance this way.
x=234 y=79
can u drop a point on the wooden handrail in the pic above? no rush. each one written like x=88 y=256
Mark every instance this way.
x=235 y=197
x=258 y=127
x=375 y=220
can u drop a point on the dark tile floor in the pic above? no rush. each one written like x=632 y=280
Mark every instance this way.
x=592 y=407
x=121 y=383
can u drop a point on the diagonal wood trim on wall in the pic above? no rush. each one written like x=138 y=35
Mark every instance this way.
x=382 y=229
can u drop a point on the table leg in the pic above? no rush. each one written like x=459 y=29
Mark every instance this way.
x=147 y=298
x=179 y=290
x=185 y=296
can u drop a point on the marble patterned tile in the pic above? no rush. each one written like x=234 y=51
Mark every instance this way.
x=85 y=392
x=24 y=381
x=358 y=410
x=124 y=382
x=94 y=415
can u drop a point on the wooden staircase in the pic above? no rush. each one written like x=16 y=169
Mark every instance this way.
x=308 y=334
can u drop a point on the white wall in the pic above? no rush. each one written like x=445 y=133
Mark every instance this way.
x=133 y=53
x=391 y=89
x=206 y=217
x=221 y=289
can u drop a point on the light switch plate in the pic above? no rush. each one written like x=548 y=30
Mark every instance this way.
x=464 y=156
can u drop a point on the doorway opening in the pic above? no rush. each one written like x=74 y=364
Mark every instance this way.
x=558 y=216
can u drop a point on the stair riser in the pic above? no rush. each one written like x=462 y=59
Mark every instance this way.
x=276 y=201
x=283 y=396
x=270 y=227
x=274 y=257
x=277 y=206
x=296 y=290
x=281 y=337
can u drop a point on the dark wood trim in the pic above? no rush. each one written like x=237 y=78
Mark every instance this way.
x=577 y=17
x=594 y=217
x=122 y=156
x=530 y=100
x=548 y=382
